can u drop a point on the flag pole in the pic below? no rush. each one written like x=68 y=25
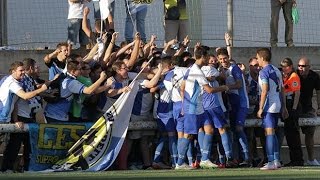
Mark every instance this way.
x=135 y=78
x=130 y=14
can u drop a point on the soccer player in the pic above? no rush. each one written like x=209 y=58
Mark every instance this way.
x=238 y=99
x=271 y=104
x=166 y=121
x=195 y=120
x=214 y=108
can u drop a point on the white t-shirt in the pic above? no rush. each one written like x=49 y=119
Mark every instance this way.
x=194 y=80
x=177 y=79
x=8 y=97
x=76 y=10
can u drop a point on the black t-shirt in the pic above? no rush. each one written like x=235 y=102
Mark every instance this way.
x=60 y=64
x=308 y=84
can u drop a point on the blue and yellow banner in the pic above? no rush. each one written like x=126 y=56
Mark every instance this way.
x=51 y=142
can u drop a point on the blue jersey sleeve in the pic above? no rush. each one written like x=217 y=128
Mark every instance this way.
x=236 y=73
x=264 y=77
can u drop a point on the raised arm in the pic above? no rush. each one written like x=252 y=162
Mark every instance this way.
x=85 y=26
x=96 y=85
x=135 y=51
x=122 y=50
x=153 y=82
x=47 y=59
x=168 y=45
x=183 y=46
x=27 y=95
x=108 y=52
x=227 y=38
x=147 y=47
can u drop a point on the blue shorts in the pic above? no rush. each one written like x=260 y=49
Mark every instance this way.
x=180 y=122
x=166 y=125
x=193 y=122
x=270 y=120
x=177 y=106
x=238 y=116
x=217 y=116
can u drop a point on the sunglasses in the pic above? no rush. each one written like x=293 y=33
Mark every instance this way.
x=84 y=68
x=300 y=65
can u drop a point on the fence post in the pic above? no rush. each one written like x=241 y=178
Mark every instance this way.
x=3 y=23
x=230 y=19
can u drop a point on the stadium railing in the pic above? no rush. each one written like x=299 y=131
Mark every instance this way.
x=152 y=125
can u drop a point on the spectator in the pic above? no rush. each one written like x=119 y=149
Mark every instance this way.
x=135 y=20
x=176 y=20
x=292 y=86
x=141 y=111
x=56 y=61
x=252 y=132
x=107 y=23
x=26 y=113
x=310 y=81
x=75 y=15
x=286 y=6
x=11 y=85
x=58 y=112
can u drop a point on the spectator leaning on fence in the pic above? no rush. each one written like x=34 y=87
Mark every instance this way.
x=26 y=113
x=11 y=89
x=57 y=112
x=286 y=6
x=310 y=81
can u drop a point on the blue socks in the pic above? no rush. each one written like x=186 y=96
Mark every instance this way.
x=227 y=146
x=183 y=145
x=244 y=144
x=207 y=143
x=270 y=147
x=200 y=140
x=157 y=154
x=189 y=152
x=173 y=149
x=276 y=148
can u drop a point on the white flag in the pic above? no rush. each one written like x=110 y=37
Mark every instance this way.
x=104 y=8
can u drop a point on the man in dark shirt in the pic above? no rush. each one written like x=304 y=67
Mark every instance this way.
x=310 y=81
x=56 y=61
